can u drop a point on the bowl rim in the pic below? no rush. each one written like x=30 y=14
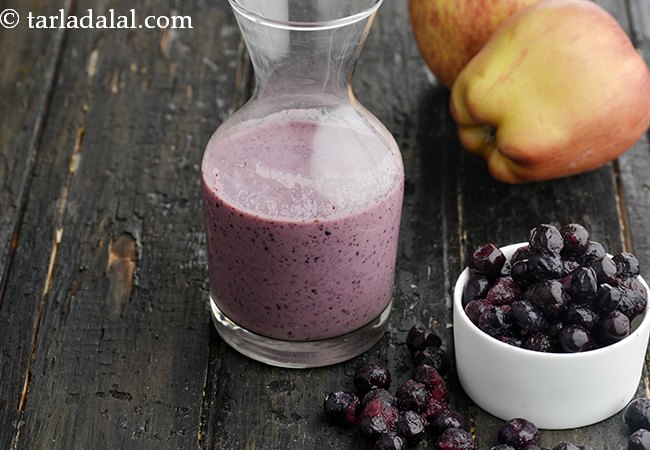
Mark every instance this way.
x=459 y=314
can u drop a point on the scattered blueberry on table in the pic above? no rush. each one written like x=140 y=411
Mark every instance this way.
x=637 y=418
x=419 y=409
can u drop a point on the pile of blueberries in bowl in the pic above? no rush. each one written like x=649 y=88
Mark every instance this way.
x=541 y=328
x=559 y=293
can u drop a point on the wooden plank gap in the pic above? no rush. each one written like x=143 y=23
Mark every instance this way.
x=201 y=430
x=636 y=14
x=472 y=421
x=51 y=265
x=37 y=325
x=646 y=379
x=462 y=233
x=626 y=237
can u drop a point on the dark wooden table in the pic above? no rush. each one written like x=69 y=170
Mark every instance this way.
x=105 y=336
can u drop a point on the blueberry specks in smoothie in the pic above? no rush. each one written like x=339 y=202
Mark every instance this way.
x=315 y=253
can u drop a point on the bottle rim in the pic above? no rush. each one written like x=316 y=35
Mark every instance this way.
x=302 y=25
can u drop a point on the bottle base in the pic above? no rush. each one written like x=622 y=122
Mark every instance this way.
x=299 y=354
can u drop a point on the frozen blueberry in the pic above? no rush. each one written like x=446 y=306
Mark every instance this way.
x=521 y=273
x=474 y=309
x=518 y=432
x=412 y=395
x=433 y=356
x=575 y=338
x=505 y=270
x=382 y=394
x=549 y=297
x=434 y=408
x=431 y=378
x=634 y=297
x=605 y=270
x=377 y=419
x=545 y=267
x=626 y=265
x=613 y=327
x=420 y=337
x=390 y=441
x=607 y=298
x=554 y=327
x=477 y=286
x=527 y=318
x=540 y=342
x=581 y=314
x=341 y=407
x=446 y=419
x=564 y=445
x=594 y=250
x=503 y=292
x=569 y=266
x=583 y=284
x=639 y=440
x=565 y=281
x=547 y=239
x=576 y=239
x=493 y=320
x=637 y=414
x=511 y=339
x=455 y=439
x=411 y=426
x=487 y=259
x=371 y=376
x=520 y=254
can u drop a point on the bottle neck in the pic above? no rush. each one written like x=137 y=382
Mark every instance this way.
x=316 y=61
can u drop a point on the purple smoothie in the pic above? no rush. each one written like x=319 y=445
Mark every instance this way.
x=302 y=221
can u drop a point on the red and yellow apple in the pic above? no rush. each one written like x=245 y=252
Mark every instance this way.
x=557 y=90
x=450 y=32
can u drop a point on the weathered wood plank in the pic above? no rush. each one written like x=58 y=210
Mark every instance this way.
x=122 y=349
x=124 y=340
x=634 y=166
x=29 y=64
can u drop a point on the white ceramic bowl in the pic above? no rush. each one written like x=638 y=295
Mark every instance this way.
x=553 y=390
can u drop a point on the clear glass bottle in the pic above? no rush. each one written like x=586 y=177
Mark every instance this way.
x=302 y=192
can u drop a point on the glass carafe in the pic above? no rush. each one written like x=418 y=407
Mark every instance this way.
x=302 y=192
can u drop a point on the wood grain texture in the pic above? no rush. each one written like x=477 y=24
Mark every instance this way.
x=112 y=234
x=105 y=338
x=30 y=60
x=634 y=165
